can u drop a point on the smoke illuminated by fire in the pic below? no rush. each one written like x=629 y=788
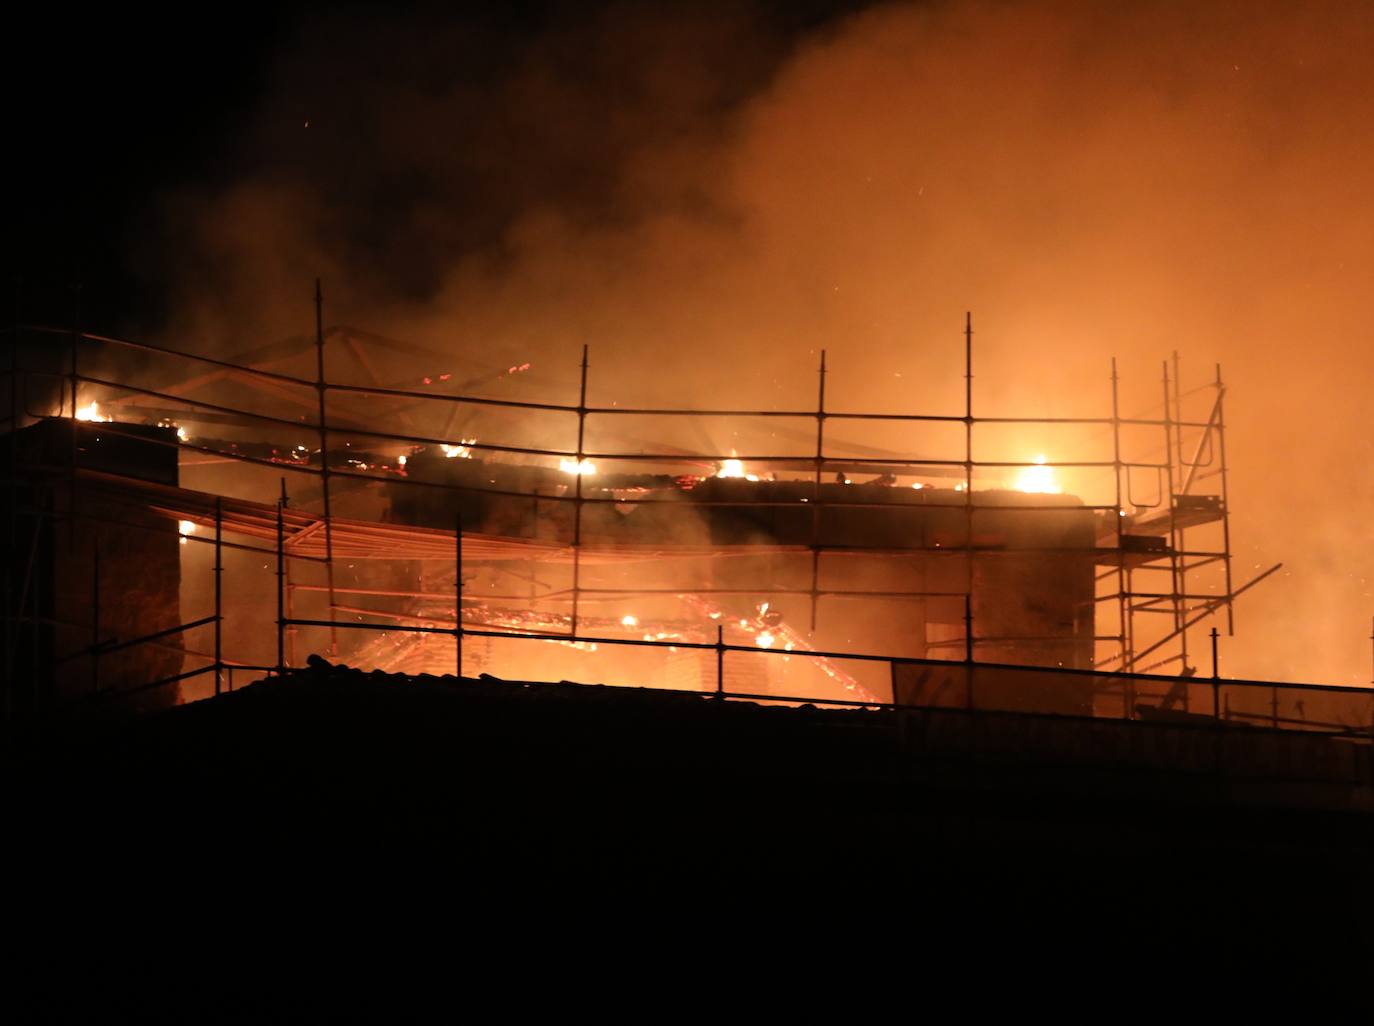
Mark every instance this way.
x=1124 y=182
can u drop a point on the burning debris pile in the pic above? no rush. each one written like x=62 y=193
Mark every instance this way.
x=404 y=652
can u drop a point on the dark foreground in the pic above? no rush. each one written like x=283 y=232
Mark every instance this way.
x=532 y=818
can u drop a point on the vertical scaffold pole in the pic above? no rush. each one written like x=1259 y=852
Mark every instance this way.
x=1225 y=504
x=1216 y=679
x=1182 y=533
x=458 y=594
x=1122 y=596
x=281 y=609
x=324 y=463
x=720 y=660
x=1177 y=591
x=577 y=486
x=219 y=597
x=816 y=499
x=291 y=628
x=968 y=485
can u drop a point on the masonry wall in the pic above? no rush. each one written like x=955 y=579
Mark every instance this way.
x=72 y=538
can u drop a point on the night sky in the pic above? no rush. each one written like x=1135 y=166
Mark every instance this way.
x=108 y=112
x=118 y=112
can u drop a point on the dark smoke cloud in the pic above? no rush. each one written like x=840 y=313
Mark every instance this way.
x=392 y=150
x=708 y=198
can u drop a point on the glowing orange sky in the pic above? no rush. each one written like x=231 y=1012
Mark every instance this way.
x=1091 y=180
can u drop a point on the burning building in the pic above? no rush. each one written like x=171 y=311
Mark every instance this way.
x=598 y=552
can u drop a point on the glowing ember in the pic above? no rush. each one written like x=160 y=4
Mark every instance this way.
x=458 y=452
x=185 y=528
x=918 y=486
x=629 y=620
x=401 y=460
x=764 y=640
x=1038 y=479
x=181 y=434
x=91 y=411
x=573 y=467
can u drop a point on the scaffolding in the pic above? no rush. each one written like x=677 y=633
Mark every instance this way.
x=1134 y=542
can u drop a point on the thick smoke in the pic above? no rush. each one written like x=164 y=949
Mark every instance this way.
x=709 y=199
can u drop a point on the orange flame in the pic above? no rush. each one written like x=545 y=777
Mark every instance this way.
x=735 y=468
x=1038 y=479
x=91 y=411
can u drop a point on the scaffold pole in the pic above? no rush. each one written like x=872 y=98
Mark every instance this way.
x=577 y=493
x=968 y=484
x=458 y=594
x=320 y=387
x=219 y=599
x=281 y=609
x=816 y=500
